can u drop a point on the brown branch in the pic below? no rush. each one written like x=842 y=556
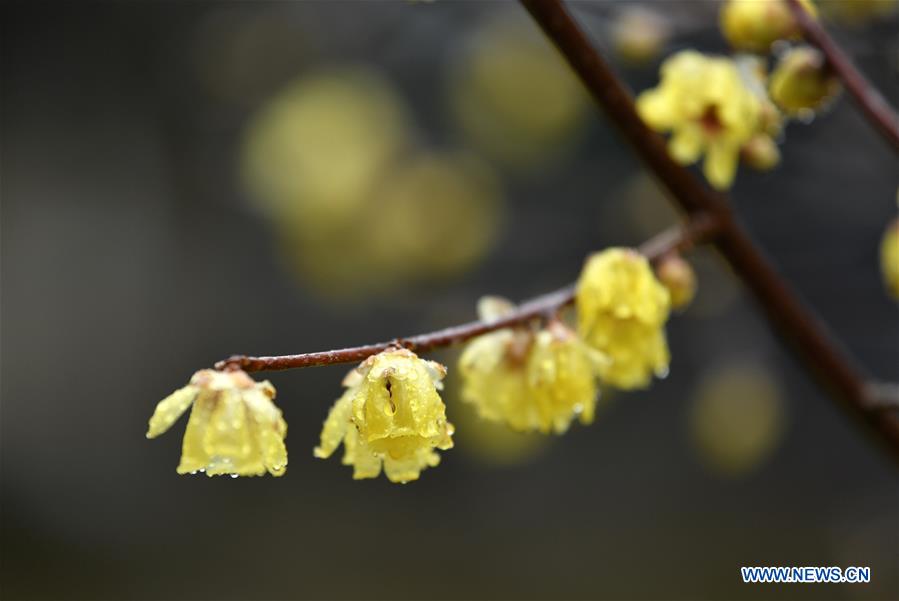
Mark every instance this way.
x=698 y=229
x=784 y=310
x=870 y=101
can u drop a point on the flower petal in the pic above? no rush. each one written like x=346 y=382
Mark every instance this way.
x=170 y=409
x=720 y=164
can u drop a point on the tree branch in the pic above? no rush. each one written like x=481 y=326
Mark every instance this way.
x=870 y=101
x=784 y=310
x=700 y=228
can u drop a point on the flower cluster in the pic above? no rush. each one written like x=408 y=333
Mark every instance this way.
x=234 y=427
x=541 y=380
x=390 y=416
x=728 y=108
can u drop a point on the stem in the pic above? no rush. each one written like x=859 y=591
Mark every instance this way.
x=696 y=230
x=780 y=304
x=870 y=101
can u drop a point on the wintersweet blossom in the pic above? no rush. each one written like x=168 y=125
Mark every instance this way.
x=390 y=416
x=530 y=381
x=622 y=309
x=234 y=427
x=562 y=378
x=708 y=108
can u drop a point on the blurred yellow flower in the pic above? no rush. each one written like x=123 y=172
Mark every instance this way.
x=889 y=258
x=530 y=382
x=737 y=418
x=391 y=415
x=514 y=96
x=754 y=25
x=360 y=210
x=621 y=310
x=639 y=35
x=317 y=147
x=433 y=215
x=234 y=426
x=802 y=82
x=708 y=108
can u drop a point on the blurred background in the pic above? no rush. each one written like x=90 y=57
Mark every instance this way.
x=184 y=181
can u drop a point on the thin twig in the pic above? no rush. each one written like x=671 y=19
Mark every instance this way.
x=790 y=318
x=869 y=100
x=700 y=228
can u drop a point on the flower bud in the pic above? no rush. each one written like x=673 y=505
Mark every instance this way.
x=677 y=275
x=802 y=81
x=639 y=35
x=753 y=25
x=760 y=153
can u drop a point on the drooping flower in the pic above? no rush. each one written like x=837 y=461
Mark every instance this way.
x=754 y=25
x=391 y=415
x=708 y=108
x=531 y=382
x=622 y=309
x=562 y=373
x=234 y=427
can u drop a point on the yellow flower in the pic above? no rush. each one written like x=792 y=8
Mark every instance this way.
x=754 y=25
x=391 y=415
x=802 y=82
x=709 y=109
x=622 y=310
x=531 y=383
x=889 y=258
x=561 y=374
x=234 y=426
